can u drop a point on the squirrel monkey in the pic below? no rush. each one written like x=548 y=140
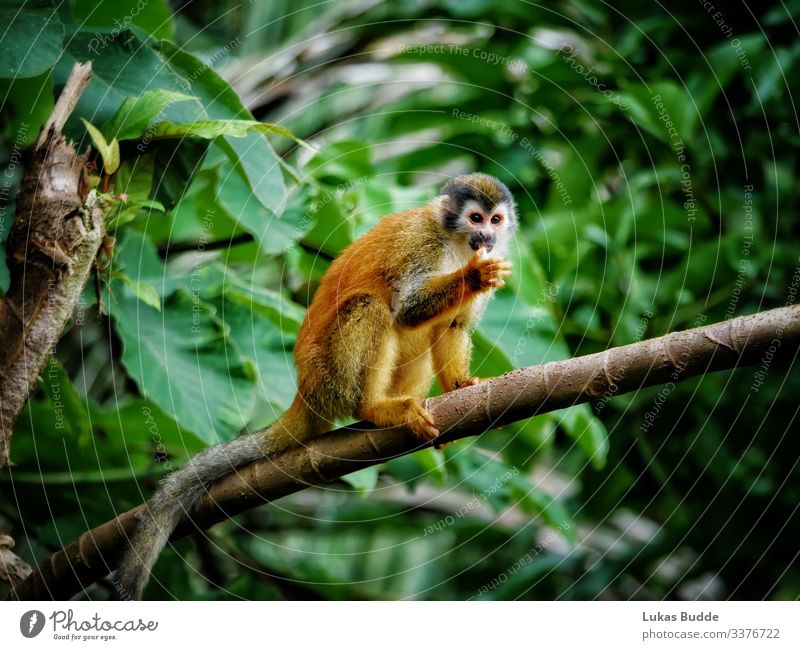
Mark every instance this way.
x=392 y=312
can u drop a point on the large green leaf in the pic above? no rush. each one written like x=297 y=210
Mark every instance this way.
x=273 y=233
x=32 y=37
x=182 y=358
x=252 y=155
x=132 y=119
x=210 y=129
x=125 y=67
x=153 y=16
x=664 y=109
x=270 y=350
x=215 y=280
x=27 y=103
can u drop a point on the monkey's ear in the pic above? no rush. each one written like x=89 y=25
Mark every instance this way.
x=443 y=204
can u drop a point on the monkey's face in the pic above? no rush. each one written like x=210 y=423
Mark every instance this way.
x=479 y=210
x=486 y=228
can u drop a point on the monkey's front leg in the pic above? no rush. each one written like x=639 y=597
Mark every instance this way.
x=452 y=350
x=447 y=293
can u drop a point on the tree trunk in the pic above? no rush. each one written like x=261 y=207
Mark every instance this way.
x=51 y=247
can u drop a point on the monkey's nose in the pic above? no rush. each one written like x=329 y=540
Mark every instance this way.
x=477 y=244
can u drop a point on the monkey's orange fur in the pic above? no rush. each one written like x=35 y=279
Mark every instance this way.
x=355 y=359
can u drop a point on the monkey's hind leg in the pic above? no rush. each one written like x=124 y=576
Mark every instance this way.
x=366 y=350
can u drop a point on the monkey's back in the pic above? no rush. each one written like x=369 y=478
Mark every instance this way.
x=352 y=307
x=373 y=264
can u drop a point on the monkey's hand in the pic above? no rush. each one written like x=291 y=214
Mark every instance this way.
x=484 y=272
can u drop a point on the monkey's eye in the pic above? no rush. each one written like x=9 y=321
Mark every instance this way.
x=476 y=218
x=496 y=219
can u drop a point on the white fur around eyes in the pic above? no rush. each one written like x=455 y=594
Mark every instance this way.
x=503 y=209
x=470 y=207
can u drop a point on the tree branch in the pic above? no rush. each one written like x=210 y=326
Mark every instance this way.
x=466 y=412
x=51 y=246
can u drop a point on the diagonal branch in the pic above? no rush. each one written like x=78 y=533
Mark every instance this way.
x=467 y=412
x=51 y=246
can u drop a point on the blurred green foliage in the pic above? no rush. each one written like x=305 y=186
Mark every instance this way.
x=653 y=155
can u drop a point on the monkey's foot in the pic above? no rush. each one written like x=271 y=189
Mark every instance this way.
x=420 y=420
x=408 y=412
x=468 y=382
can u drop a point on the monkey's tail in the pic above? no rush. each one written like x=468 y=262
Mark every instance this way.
x=183 y=489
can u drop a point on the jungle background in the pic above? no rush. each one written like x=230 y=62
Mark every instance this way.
x=652 y=151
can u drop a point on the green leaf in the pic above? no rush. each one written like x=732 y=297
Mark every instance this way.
x=210 y=129
x=177 y=165
x=112 y=163
x=144 y=70
x=273 y=233
x=217 y=280
x=269 y=349
x=135 y=177
x=153 y=16
x=152 y=205
x=252 y=155
x=364 y=480
x=142 y=290
x=534 y=501
x=588 y=431
x=32 y=38
x=69 y=408
x=664 y=109
x=183 y=361
x=120 y=421
x=332 y=230
x=136 y=256
x=109 y=152
x=27 y=104
x=123 y=215
x=345 y=160
x=133 y=119
x=433 y=462
x=259 y=166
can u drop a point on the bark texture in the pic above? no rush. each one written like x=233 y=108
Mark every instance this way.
x=51 y=246
x=467 y=412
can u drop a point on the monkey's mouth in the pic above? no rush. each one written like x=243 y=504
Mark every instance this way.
x=477 y=245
